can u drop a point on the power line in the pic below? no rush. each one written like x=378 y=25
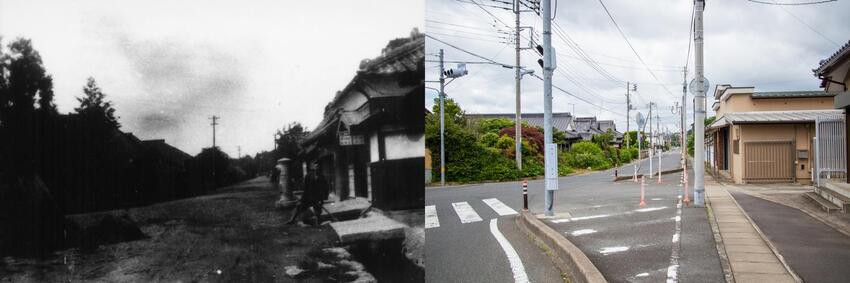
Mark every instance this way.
x=633 y=48
x=470 y=53
x=808 y=26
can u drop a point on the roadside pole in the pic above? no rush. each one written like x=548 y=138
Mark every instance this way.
x=628 y=108
x=442 y=122
x=699 y=107
x=551 y=150
x=651 y=145
x=518 y=121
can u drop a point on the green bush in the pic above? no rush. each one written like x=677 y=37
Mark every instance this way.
x=505 y=142
x=563 y=164
x=489 y=139
x=587 y=154
x=495 y=125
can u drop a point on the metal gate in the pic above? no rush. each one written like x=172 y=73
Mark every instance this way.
x=769 y=161
x=829 y=142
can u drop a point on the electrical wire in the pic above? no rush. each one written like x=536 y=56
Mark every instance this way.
x=633 y=49
x=793 y=3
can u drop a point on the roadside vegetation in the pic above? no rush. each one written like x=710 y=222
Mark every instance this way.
x=484 y=150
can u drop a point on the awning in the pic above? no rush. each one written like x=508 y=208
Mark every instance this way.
x=766 y=117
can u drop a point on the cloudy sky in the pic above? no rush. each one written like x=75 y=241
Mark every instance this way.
x=773 y=48
x=169 y=65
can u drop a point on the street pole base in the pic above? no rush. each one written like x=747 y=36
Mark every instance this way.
x=642 y=203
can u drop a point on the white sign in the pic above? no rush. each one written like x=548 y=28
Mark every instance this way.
x=693 y=86
x=346 y=139
x=640 y=120
x=552 y=167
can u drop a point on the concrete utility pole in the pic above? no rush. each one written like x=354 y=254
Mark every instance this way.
x=683 y=113
x=518 y=121
x=699 y=107
x=651 y=140
x=442 y=122
x=629 y=87
x=238 y=152
x=628 y=108
x=551 y=157
x=214 y=123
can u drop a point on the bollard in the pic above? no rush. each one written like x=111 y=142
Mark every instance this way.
x=635 y=176
x=524 y=195
x=659 y=175
x=642 y=182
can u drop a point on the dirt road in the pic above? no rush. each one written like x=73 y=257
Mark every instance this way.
x=232 y=235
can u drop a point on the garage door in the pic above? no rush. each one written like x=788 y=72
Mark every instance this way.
x=769 y=162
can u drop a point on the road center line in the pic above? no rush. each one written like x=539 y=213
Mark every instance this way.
x=431 y=220
x=673 y=270
x=465 y=212
x=513 y=258
x=499 y=207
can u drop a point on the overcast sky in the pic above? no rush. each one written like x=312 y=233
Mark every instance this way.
x=772 y=48
x=169 y=65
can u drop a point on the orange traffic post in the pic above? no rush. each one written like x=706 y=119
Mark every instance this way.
x=642 y=182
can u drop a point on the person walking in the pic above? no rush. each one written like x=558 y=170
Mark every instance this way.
x=315 y=193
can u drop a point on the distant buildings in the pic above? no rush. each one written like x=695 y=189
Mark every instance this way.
x=576 y=128
x=370 y=143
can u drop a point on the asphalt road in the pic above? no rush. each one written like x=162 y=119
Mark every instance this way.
x=815 y=251
x=625 y=244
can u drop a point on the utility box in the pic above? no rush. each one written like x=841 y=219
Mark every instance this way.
x=802 y=154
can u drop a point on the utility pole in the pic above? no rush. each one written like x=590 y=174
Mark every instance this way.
x=239 y=152
x=658 y=129
x=684 y=120
x=628 y=108
x=518 y=121
x=214 y=123
x=551 y=150
x=442 y=122
x=629 y=87
x=699 y=107
x=651 y=144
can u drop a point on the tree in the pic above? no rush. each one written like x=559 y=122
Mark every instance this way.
x=95 y=106
x=453 y=111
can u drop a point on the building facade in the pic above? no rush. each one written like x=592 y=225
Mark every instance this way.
x=370 y=143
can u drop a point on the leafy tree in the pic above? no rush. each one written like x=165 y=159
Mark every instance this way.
x=93 y=105
x=495 y=125
x=604 y=139
x=453 y=111
x=533 y=135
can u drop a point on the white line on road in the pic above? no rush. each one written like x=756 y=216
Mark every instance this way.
x=465 y=212
x=648 y=209
x=499 y=207
x=583 y=232
x=431 y=220
x=610 y=250
x=513 y=258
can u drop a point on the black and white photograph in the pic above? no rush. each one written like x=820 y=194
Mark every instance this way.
x=212 y=141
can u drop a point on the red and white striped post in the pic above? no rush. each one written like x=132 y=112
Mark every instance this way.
x=642 y=182
x=524 y=195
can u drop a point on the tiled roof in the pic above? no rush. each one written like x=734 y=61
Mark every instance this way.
x=829 y=62
x=790 y=94
x=559 y=120
x=804 y=116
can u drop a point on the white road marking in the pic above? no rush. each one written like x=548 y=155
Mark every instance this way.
x=675 y=237
x=465 y=212
x=580 y=218
x=610 y=250
x=431 y=220
x=648 y=209
x=656 y=199
x=645 y=274
x=672 y=274
x=513 y=258
x=499 y=207
x=583 y=232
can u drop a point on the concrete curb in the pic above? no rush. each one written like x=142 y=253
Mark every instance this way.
x=718 y=242
x=766 y=240
x=629 y=177
x=569 y=258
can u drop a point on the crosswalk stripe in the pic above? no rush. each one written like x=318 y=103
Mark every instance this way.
x=431 y=220
x=499 y=207
x=465 y=212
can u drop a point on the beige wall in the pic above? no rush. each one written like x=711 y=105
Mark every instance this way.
x=801 y=134
x=841 y=74
x=745 y=103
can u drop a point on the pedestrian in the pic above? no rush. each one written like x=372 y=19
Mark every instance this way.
x=315 y=192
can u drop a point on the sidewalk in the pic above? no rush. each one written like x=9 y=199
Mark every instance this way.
x=751 y=258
